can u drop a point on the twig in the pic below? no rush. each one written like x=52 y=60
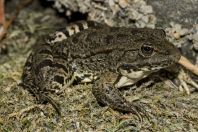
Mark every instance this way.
x=18 y=114
x=188 y=65
x=2 y=17
x=7 y=24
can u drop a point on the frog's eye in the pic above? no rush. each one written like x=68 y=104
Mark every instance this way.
x=147 y=50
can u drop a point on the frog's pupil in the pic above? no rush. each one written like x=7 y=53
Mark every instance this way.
x=147 y=49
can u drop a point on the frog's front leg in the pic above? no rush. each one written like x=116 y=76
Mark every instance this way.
x=106 y=93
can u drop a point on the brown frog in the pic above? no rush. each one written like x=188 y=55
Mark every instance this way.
x=108 y=57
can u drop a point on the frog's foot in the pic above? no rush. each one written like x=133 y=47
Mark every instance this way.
x=185 y=79
x=85 y=77
x=43 y=98
x=76 y=77
x=106 y=94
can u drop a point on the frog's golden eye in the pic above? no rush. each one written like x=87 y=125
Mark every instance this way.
x=147 y=50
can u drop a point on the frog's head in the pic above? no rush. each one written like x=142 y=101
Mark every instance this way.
x=151 y=52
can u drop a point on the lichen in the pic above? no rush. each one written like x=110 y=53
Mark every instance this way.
x=113 y=12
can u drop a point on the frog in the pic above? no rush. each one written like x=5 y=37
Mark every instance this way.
x=109 y=58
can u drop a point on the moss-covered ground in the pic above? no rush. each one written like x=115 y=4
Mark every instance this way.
x=168 y=108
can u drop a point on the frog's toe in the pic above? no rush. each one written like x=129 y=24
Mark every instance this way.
x=184 y=80
x=141 y=110
x=47 y=99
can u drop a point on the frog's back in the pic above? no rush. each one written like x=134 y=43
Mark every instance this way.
x=101 y=39
x=95 y=40
x=103 y=47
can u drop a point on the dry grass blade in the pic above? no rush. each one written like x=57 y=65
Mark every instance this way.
x=19 y=113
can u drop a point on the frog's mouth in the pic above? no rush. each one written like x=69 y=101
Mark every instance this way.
x=147 y=67
x=134 y=74
x=130 y=77
x=139 y=73
x=139 y=70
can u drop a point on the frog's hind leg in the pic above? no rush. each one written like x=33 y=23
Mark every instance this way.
x=106 y=93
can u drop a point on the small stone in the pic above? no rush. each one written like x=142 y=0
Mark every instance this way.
x=146 y=9
x=176 y=35
x=123 y=3
x=195 y=37
x=195 y=41
x=68 y=13
x=7 y=89
x=145 y=19
x=111 y=3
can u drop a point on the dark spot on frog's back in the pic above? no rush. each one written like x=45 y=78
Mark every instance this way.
x=141 y=32
x=75 y=38
x=60 y=66
x=90 y=36
x=65 y=32
x=135 y=31
x=44 y=50
x=59 y=79
x=108 y=39
x=114 y=29
x=122 y=38
x=42 y=64
x=160 y=33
